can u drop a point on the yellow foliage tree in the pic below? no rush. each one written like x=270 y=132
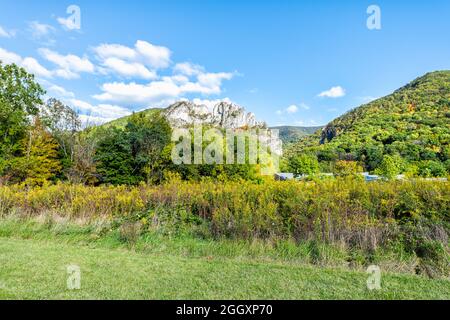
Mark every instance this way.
x=38 y=162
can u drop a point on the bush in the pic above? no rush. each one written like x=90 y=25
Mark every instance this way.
x=344 y=168
x=434 y=259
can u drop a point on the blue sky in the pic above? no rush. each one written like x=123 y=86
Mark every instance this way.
x=289 y=62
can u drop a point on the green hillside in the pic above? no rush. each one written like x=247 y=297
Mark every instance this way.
x=121 y=122
x=412 y=126
x=289 y=134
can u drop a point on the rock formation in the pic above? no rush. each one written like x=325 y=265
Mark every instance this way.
x=225 y=115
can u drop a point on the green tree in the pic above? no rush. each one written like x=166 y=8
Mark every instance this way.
x=114 y=161
x=390 y=167
x=134 y=153
x=447 y=165
x=304 y=164
x=374 y=156
x=20 y=97
x=148 y=137
x=432 y=168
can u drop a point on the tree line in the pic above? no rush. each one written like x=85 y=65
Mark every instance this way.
x=44 y=141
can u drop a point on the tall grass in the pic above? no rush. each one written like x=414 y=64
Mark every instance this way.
x=411 y=216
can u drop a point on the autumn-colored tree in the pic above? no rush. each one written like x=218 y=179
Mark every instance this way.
x=38 y=161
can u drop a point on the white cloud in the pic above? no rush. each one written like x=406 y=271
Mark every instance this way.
x=334 y=92
x=6 y=33
x=211 y=82
x=8 y=57
x=69 y=62
x=105 y=111
x=66 y=74
x=128 y=69
x=30 y=64
x=167 y=88
x=292 y=109
x=143 y=53
x=39 y=30
x=71 y=65
x=105 y=51
x=304 y=106
x=60 y=91
x=138 y=93
x=155 y=56
x=179 y=79
x=188 y=69
x=34 y=67
x=141 y=62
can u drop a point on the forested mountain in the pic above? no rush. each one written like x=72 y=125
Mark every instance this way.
x=121 y=122
x=411 y=126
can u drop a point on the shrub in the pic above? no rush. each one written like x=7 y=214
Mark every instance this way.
x=344 y=168
x=434 y=259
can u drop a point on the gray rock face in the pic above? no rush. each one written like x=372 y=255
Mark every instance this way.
x=225 y=115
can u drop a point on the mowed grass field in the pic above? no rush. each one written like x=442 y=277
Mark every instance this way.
x=36 y=269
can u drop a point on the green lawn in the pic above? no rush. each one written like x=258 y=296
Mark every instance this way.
x=36 y=269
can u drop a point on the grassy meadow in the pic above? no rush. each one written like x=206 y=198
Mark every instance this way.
x=34 y=260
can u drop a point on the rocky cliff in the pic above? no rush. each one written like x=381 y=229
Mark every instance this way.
x=224 y=115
